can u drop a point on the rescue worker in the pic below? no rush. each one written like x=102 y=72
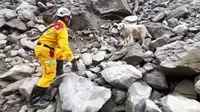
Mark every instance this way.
x=51 y=46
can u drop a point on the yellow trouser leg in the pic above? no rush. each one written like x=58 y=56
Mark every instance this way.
x=48 y=70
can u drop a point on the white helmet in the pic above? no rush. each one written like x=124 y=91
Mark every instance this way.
x=62 y=12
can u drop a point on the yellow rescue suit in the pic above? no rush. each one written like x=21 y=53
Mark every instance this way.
x=53 y=45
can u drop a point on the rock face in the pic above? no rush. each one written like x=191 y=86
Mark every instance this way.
x=178 y=103
x=197 y=87
x=136 y=93
x=18 y=72
x=80 y=95
x=179 y=58
x=179 y=12
x=121 y=76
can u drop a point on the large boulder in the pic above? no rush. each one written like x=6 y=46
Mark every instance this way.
x=179 y=104
x=18 y=72
x=116 y=7
x=134 y=54
x=78 y=94
x=179 y=58
x=122 y=76
x=179 y=12
x=157 y=30
x=136 y=93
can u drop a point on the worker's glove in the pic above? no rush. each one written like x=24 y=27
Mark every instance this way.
x=74 y=65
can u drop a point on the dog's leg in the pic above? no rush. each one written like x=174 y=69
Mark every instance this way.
x=148 y=35
x=142 y=36
x=136 y=7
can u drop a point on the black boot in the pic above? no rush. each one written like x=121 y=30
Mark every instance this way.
x=36 y=98
x=59 y=68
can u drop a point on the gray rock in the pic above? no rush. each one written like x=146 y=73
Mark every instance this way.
x=26 y=15
x=27 y=86
x=107 y=7
x=100 y=56
x=119 y=95
x=50 y=108
x=90 y=75
x=156 y=79
x=121 y=76
x=197 y=37
x=80 y=95
x=27 y=43
x=12 y=87
x=17 y=24
x=197 y=86
x=3 y=43
x=186 y=89
x=118 y=55
x=96 y=69
x=2 y=101
x=179 y=58
x=149 y=67
x=111 y=106
x=41 y=28
x=2 y=56
x=179 y=12
x=26 y=6
x=180 y=30
x=3 y=84
x=130 y=20
x=3 y=37
x=178 y=103
x=108 y=64
x=159 y=17
x=159 y=42
x=173 y=22
x=18 y=72
x=134 y=55
x=26 y=109
x=10 y=14
x=157 y=30
x=81 y=65
x=100 y=80
x=136 y=93
x=2 y=13
x=155 y=96
x=87 y=59
x=150 y=106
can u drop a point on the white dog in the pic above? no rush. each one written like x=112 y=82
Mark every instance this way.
x=132 y=31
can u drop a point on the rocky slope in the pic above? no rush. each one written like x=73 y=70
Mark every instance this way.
x=111 y=77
